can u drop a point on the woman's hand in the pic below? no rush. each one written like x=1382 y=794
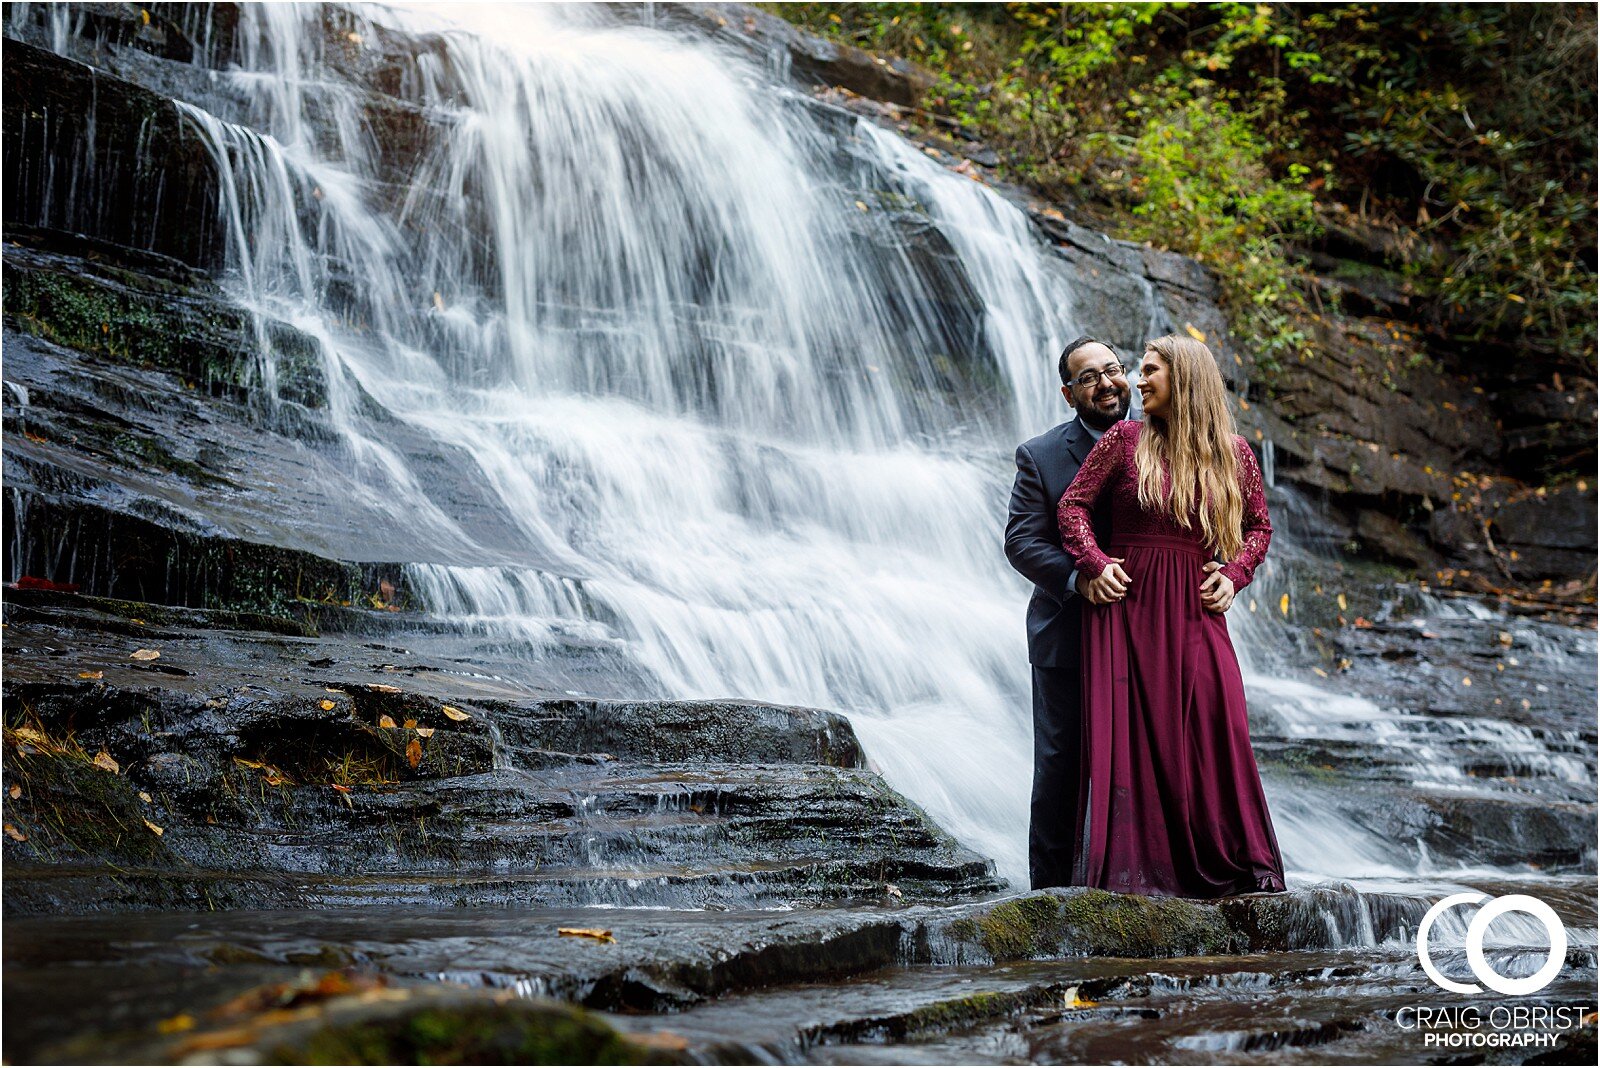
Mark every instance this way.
x=1216 y=592
x=1110 y=585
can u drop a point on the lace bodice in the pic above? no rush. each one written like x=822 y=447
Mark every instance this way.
x=1109 y=467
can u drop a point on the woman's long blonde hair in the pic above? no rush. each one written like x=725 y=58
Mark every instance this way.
x=1194 y=441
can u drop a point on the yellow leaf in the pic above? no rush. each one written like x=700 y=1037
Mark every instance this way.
x=414 y=752
x=1195 y=332
x=144 y=654
x=410 y=724
x=425 y=732
x=144 y=797
x=1513 y=296
x=91 y=674
x=1283 y=604
x=383 y=687
x=1319 y=673
x=438 y=301
x=145 y=15
x=14 y=834
x=1342 y=603
x=385 y=721
x=455 y=713
x=597 y=933
x=28 y=734
x=861 y=205
x=1466 y=680
x=103 y=761
x=243 y=763
x=327 y=705
x=157 y=831
x=174 y=1024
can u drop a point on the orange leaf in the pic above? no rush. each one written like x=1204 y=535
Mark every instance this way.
x=15 y=791
x=341 y=789
x=414 y=752
x=385 y=721
x=327 y=706
x=410 y=724
x=91 y=674
x=14 y=834
x=596 y=933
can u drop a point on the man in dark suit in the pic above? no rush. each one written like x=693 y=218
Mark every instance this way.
x=1095 y=385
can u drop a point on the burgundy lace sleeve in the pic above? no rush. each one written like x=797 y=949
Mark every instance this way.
x=1257 y=526
x=1077 y=504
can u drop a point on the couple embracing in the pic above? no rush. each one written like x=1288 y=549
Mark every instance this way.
x=1137 y=537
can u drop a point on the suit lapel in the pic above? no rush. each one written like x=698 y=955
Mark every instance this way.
x=1079 y=441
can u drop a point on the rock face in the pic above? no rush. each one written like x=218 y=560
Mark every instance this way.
x=249 y=768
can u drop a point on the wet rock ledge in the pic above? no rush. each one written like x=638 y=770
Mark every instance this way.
x=253 y=766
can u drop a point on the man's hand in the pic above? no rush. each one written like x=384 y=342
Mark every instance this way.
x=1111 y=584
x=1216 y=592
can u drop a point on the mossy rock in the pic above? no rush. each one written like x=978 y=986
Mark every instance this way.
x=1098 y=923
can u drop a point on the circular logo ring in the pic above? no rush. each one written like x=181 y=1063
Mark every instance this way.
x=1476 y=930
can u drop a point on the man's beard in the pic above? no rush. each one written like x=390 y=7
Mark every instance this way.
x=1093 y=417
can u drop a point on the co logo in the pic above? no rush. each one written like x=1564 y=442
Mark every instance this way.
x=1475 y=932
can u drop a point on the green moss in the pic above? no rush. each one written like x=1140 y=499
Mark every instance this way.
x=72 y=810
x=509 y=1033
x=1097 y=923
x=157 y=325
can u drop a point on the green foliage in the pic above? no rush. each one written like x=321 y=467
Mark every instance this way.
x=1228 y=130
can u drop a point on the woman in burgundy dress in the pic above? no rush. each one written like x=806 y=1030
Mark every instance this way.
x=1172 y=802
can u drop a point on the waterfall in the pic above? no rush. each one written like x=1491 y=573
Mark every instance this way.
x=744 y=370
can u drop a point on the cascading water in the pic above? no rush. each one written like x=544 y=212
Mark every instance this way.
x=745 y=372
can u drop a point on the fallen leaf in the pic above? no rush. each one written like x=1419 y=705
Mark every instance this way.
x=104 y=762
x=1362 y=623
x=1342 y=603
x=14 y=834
x=28 y=734
x=383 y=687
x=597 y=933
x=385 y=721
x=91 y=674
x=1195 y=332
x=15 y=791
x=243 y=763
x=327 y=706
x=661 y=1040
x=455 y=713
x=1283 y=604
x=438 y=301
x=144 y=654
x=174 y=1024
x=275 y=780
x=410 y=724
x=157 y=831
x=414 y=752
x=341 y=789
x=1319 y=673
x=1466 y=680
x=1505 y=638
x=424 y=732
x=144 y=797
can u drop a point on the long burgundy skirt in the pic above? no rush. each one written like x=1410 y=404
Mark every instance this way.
x=1172 y=802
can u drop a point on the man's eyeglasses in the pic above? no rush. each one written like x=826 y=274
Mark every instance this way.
x=1090 y=379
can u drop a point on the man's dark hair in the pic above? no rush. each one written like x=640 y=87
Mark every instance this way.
x=1073 y=346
